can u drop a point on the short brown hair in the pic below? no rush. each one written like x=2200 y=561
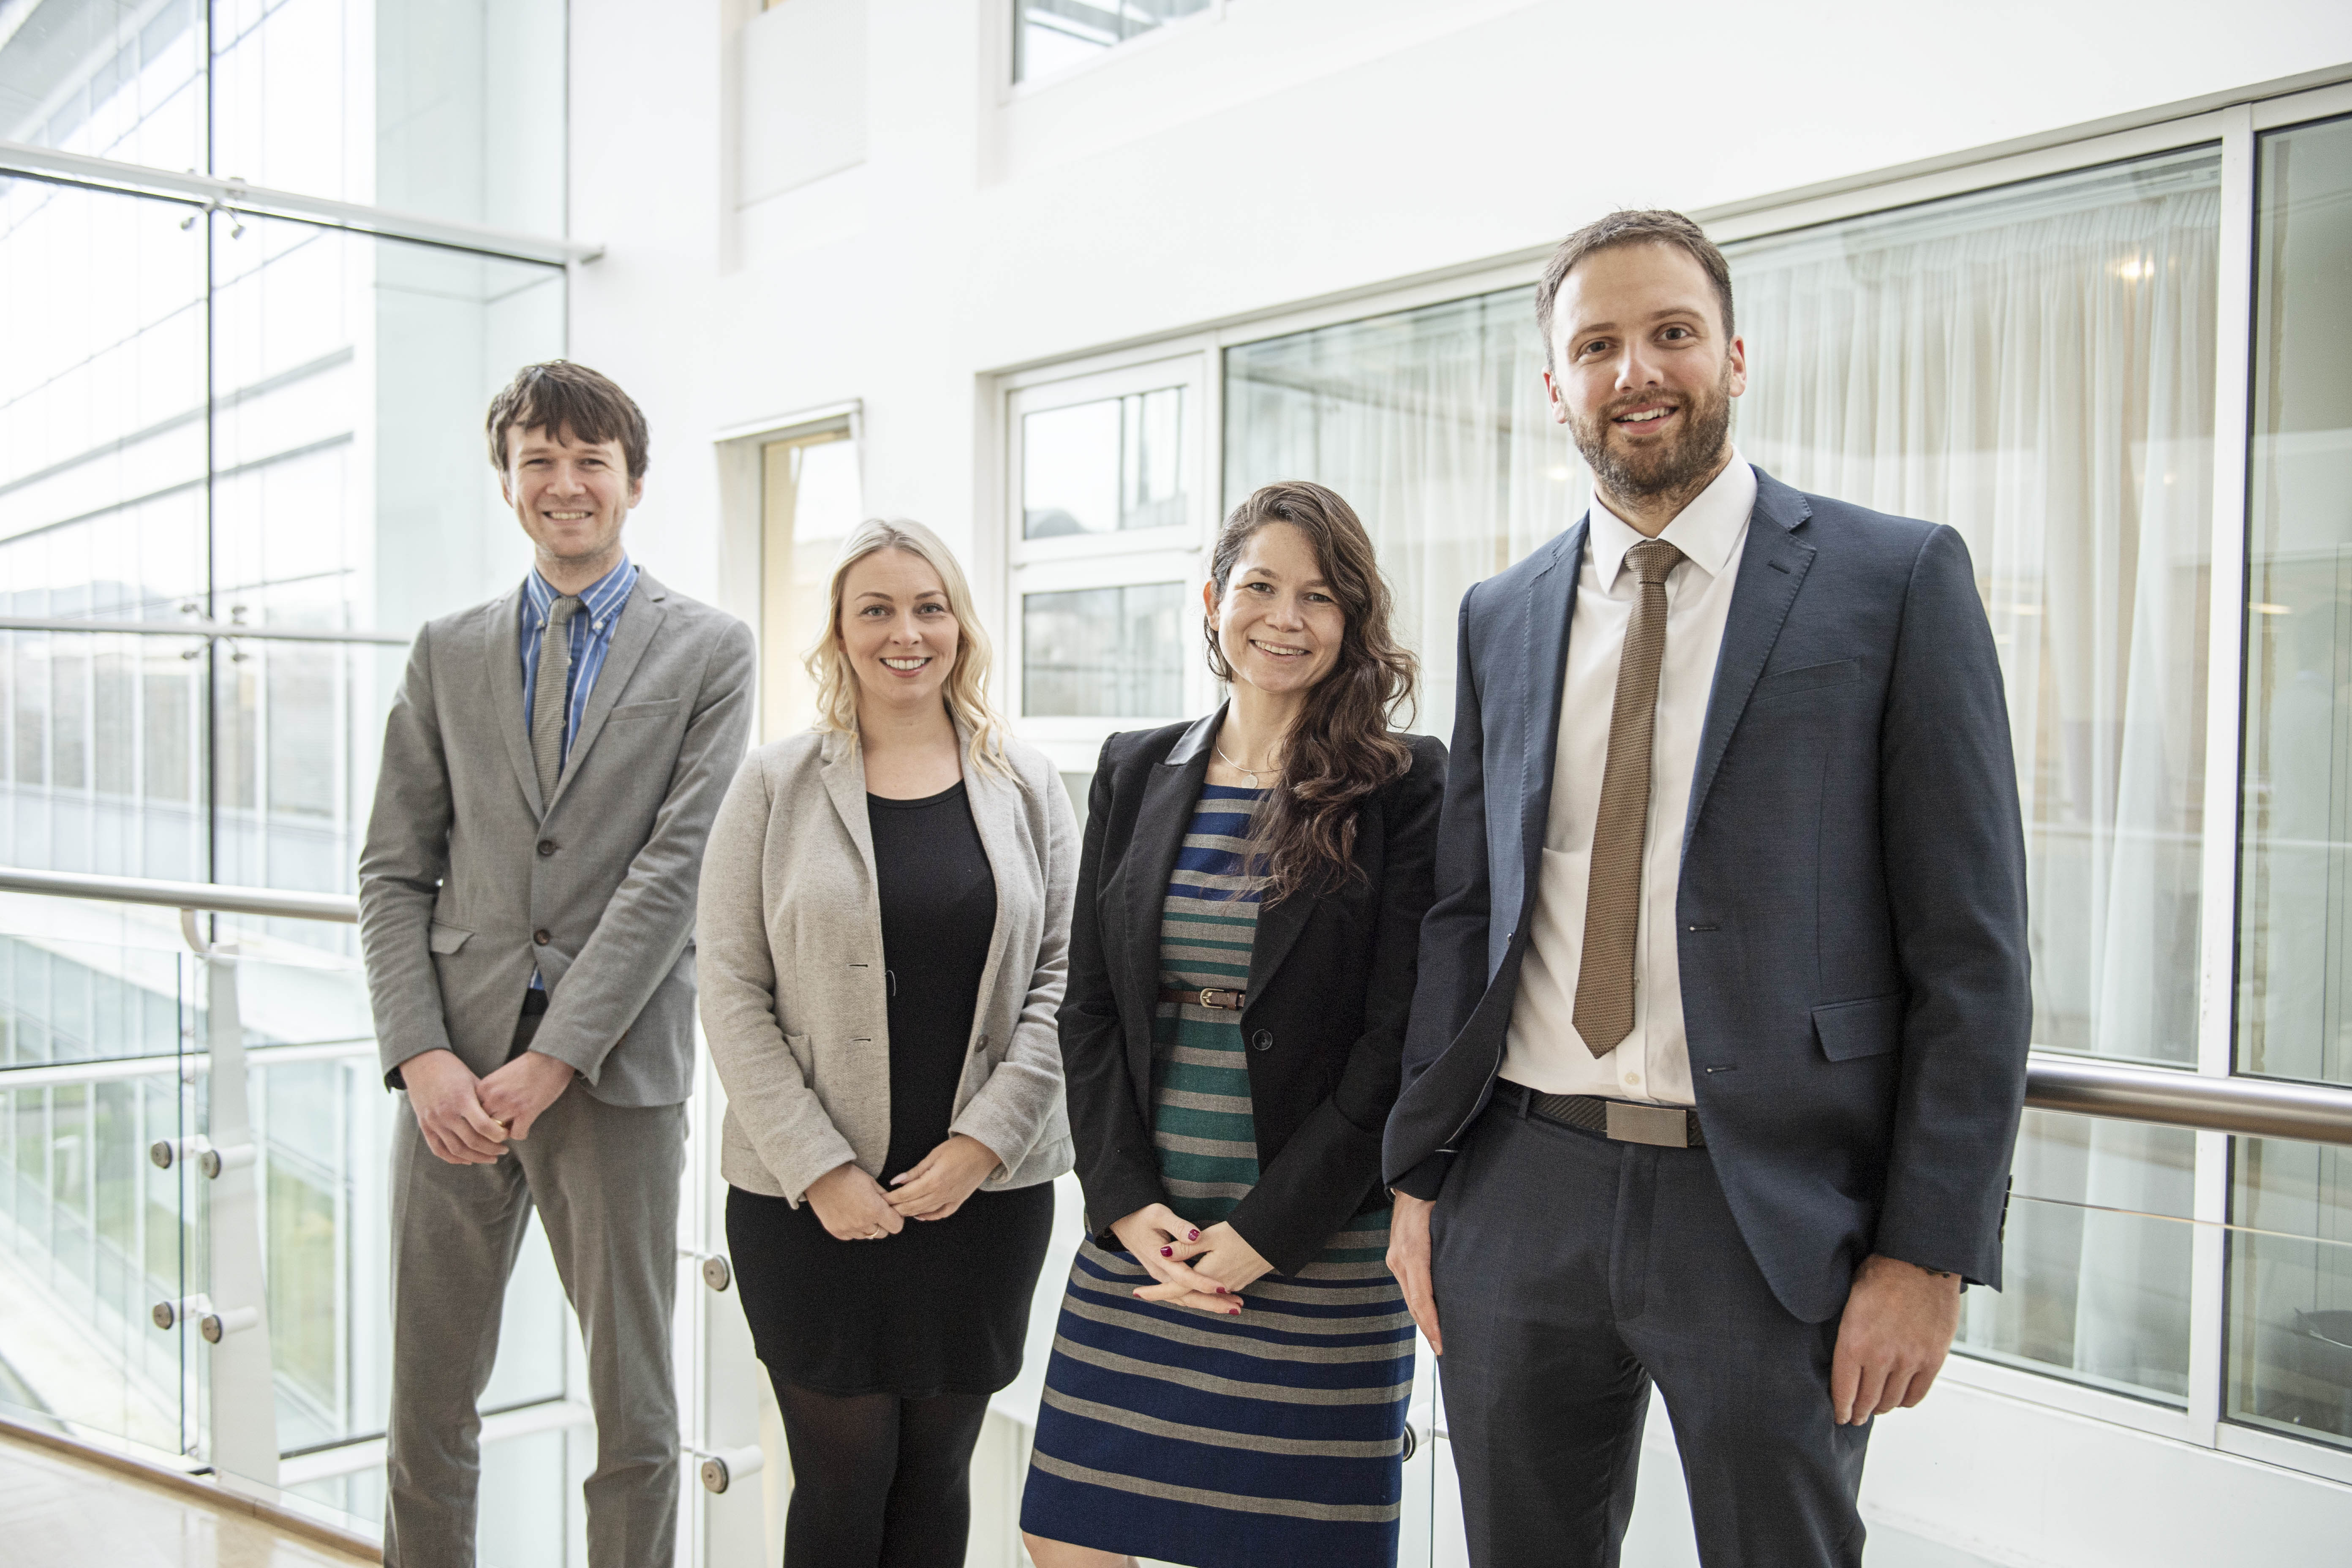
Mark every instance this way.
x=1650 y=226
x=561 y=397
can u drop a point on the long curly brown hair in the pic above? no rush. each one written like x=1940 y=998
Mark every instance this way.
x=1343 y=745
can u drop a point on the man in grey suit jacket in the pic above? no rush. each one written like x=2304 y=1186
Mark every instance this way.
x=1719 y=1047
x=550 y=769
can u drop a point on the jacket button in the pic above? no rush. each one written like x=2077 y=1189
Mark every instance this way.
x=540 y=937
x=1262 y=1040
x=547 y=846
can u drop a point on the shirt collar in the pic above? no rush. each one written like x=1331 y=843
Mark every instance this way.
x=600 y=599
x=1705 y=530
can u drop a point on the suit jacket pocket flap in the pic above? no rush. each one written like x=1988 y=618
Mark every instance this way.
x=448 y=938
x=1869 y=1027
x=1806 y=678
x=628 y=710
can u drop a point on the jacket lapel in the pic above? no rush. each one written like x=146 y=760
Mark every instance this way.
x=996 y=815
x=1772 y=567
x=1162 y=817
x=844 y=785
x=1551 y=600
x=641 y=616
x=502 y=668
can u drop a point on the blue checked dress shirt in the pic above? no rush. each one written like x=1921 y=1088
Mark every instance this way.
x=591 y=638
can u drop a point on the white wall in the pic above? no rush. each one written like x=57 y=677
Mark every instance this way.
x=1287 y=151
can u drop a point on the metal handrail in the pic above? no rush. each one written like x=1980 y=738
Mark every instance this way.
x=2079 y=1086
x=213 y=896
x=199 y=629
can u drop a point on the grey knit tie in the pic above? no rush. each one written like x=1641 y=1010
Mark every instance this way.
x=548 y=696
x=1612 y=900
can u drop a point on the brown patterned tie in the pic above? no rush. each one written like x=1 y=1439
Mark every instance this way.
x=1612 y=899
x=549 y=695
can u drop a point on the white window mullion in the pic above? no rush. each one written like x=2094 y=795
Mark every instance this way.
x=2224 y=698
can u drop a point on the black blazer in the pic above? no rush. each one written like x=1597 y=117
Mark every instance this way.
x=1330 y=987
x=1851 y=917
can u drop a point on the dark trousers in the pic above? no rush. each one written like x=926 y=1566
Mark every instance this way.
x=1570 y=1273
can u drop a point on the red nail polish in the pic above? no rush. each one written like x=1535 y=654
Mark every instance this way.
x=1222 y=1292
x=1167 y=1252
x=1192 y=1236
x=1233 y=1312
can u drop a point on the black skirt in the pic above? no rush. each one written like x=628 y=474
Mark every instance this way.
x=940 y=1308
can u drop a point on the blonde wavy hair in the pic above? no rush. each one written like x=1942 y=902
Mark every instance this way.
x=967 y=684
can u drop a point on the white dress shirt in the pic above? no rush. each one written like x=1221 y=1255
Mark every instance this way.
x=1544 y=1050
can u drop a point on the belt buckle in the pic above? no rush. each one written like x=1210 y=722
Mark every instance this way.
x=1209 y=998
x=1667 y=1126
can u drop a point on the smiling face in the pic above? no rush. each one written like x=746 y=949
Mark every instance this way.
x=1643 y=375
x=897 y=629
x=571 y=496
x=1278 y=623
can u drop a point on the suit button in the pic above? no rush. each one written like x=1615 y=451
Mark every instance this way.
x=547 y=846
x=1262 y=1040
x=540 y=937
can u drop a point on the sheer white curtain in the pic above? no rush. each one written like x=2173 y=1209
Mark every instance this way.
x=2035 y=367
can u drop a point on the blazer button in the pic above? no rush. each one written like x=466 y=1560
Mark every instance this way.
x=547 y=846
x=1262 y=1040
x=540 y=937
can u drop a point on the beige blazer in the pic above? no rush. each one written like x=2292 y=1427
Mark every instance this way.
x=794 y=1002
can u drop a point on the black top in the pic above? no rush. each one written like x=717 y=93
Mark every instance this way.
x=1330 y=987
x=938 y=912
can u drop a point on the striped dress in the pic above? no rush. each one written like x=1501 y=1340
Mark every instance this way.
x=1272 y=1438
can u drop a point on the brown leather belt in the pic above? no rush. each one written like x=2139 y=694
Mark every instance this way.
x=1215 y=996
x=1621 y=1121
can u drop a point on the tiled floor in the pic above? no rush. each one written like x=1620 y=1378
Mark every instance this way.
x=57 y=1512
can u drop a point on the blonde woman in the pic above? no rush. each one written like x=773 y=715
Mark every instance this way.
x=884 y=928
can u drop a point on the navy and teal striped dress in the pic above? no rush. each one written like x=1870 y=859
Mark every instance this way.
x=1272 y=1438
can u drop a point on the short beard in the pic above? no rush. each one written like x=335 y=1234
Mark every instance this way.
x=1680 y=468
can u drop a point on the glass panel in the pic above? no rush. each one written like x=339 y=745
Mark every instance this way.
x=1099 y=468
x=2291 y=1288
x=2094 y=1257
x=2296 y=913
x=1050 y=35
x=810 y=501
x=114 y=78
x=1103 y=652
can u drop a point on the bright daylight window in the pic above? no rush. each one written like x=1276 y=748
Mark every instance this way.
x=241 y=419
x=1051 y=34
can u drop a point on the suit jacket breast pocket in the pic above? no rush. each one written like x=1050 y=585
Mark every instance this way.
x=1807 y=677
x=628 y=712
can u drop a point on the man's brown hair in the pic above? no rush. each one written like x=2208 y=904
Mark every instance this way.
x=1652 y=227
x=564 y=398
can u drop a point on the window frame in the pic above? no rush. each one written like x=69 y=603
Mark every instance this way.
x=1005 y=23
x=2233 y=126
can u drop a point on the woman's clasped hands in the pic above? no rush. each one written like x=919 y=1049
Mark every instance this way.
x=854 y=1206
x=1203 y=1268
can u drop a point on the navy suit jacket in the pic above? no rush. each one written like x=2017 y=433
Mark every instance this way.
x=1851 y=914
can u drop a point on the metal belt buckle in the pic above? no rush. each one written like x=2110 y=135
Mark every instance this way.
x=1668 y=1126
x=1214 y=996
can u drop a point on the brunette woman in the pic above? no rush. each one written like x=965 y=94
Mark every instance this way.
x=1229 y=1381
x=884 y=929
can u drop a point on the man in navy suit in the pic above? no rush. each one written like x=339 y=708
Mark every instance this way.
x=1719 y=1047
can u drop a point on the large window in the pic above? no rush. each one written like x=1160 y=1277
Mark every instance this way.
x=211 y=419
x=1049 y=36
x=2051 y=366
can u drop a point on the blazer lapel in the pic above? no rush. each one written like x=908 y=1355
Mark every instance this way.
x=1772 y=567
x=844 y=785
x=641 y=616
x=1550 y=601
x=1279 y=925
x=996 y=817
x=1161 y=819
x=502 y=668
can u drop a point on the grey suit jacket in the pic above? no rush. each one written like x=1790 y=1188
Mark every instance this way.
x=468 y=879
x=793 y=999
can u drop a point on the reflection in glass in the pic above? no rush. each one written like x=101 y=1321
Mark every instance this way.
x=1103 y=652
x=113 y=78
x=2291 y=1288
x=1103 y=466
x=2088 y=1293
x=2296 y=913
x=1049 y=35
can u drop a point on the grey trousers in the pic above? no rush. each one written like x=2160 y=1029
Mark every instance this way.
x=1570 y=1272
x=604 y=1180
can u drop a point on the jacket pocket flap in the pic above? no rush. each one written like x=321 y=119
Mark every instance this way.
x=448 y=938
x=1869 y=1027
x=1806 y=678
x=628 y=710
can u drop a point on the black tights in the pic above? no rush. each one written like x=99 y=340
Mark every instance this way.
x=879 y=1481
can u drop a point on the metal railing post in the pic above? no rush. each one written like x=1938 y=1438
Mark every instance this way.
x=243 y=1417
